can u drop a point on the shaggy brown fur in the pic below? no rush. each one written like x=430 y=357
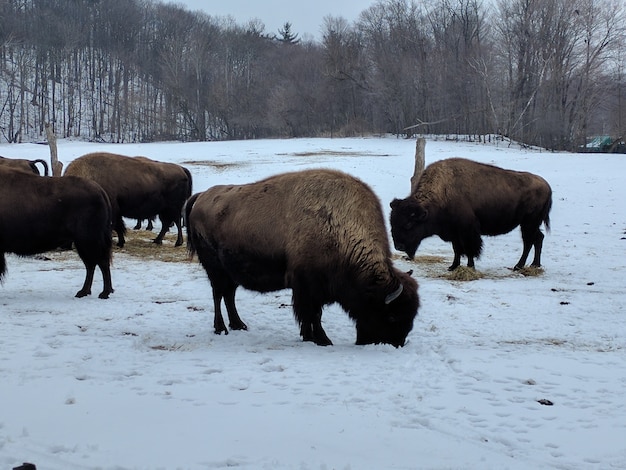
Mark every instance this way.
x=459 y=200
x=139 y=188
x=40 y=214
x=320 y=233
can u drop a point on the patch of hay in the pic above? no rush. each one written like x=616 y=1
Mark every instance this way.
x=463 y=273
x=531 y=271
x=139 y=243
x=430 y=259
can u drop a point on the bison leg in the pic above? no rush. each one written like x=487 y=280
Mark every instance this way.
x=306 y=331
x=105 y=269
x=137 y=225
x=534 y=239
x=308 y=312
x=234 y=321
x=179 y=238
x=538 y=246
x=159 y=239
x=86 y=289
x=120 y=228
x=319 y=335
x=470 y=261
x=218 y=321
x=457 y=257
x=149 y=227
x=106 y=277
x=166 y=223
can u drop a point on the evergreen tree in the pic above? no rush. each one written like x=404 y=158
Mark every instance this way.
x=287 y=36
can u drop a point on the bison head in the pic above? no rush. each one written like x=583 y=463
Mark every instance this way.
x=409 y=225
x=391 y=320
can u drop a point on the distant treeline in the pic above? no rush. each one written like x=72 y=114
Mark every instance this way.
x=544 y=72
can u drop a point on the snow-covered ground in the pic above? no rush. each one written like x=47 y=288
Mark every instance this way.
x=139 y=381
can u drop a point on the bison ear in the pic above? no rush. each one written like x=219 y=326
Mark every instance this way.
x=393 y=204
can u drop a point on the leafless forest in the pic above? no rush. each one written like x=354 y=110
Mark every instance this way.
x=544 y=72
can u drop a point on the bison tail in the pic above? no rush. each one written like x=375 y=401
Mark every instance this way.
x=3 y=266
x=191 y=249
x=546 y=214
x=189 y=181
x=46 y=171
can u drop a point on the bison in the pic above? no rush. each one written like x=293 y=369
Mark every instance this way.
x=40 y=214
x=320 y=233
x=459 y=200
x=139 y=188
x=25 y=165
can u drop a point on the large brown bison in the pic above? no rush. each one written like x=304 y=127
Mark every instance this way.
x=40 y=214
x=320 y=233
x=459 y=200
x=139 y=188
x=25 y=165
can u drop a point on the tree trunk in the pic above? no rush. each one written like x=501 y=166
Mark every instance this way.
x=55 y=164
x=420 y=162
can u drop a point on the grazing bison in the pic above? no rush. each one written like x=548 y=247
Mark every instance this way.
x=319 y=232
x=139 y=188
x=25 y=165
x=459 y=200
x=40 y=214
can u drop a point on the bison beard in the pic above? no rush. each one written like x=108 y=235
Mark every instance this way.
x=40 y=214
x=459 y=200
x=320 y=233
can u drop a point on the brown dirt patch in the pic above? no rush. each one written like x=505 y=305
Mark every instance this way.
x=218 y=166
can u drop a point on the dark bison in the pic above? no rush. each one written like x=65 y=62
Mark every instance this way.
x=319 y=232
x=459 y=200
x=40 y=214
x=139 y=188
x=25 y=165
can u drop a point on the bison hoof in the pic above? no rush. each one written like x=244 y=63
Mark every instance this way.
x=323 y=342
x=219 y=331
x=320 y=338
x=83 y=293
x=104 y=295
x=238 y=326
x=453 y=267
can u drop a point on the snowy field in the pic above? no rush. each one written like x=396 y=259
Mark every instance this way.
x=505 y=372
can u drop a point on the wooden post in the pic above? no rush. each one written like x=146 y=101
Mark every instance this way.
x=420 y=162
x=55 y=164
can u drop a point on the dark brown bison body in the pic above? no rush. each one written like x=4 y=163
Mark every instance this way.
x=40 y=214
x=139 y=188
x=25 y=165
x=320 y=233
x=459 y=200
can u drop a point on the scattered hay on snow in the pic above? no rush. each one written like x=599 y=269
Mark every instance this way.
x=463 y=273
x=139 y=243
x=531 y=271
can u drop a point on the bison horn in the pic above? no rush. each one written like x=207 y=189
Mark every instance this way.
x=394 y=295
